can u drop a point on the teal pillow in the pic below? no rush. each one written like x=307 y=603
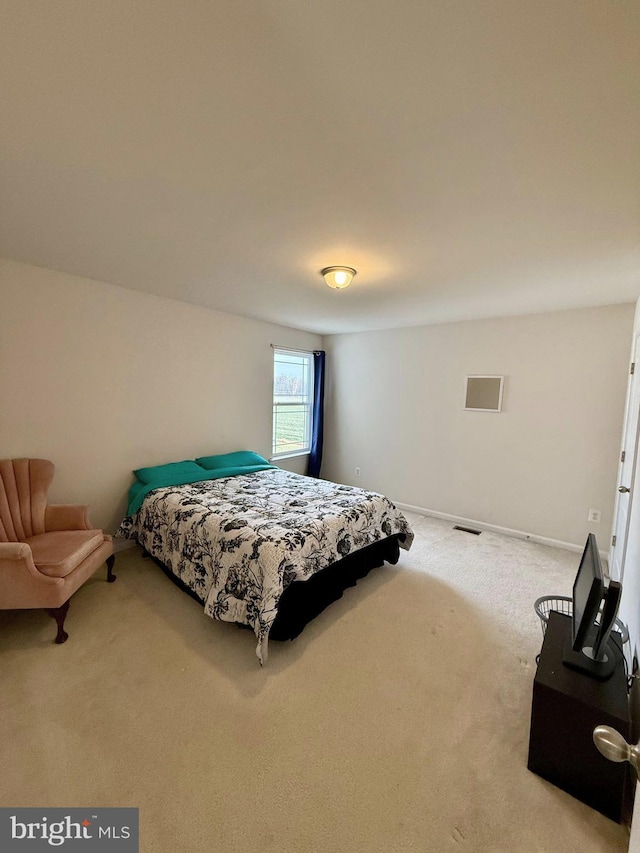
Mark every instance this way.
x=161 y=473
x=237 y=459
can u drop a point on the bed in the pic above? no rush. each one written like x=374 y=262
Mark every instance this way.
x=263 y=547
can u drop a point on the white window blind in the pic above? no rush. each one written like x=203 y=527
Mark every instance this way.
x=292 y=402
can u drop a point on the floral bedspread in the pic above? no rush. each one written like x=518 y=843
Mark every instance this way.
x=238 y=542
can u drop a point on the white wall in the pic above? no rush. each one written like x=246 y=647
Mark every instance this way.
x=395 y=408
x=102 y=380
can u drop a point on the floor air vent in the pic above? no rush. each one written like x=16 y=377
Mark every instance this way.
x=467 y=530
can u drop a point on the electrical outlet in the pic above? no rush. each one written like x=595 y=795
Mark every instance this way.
x=357 y=471
x=594 y=516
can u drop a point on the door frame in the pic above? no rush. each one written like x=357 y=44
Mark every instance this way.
x=630 y=441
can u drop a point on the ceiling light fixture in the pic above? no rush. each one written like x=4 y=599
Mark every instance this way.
x=338 y=277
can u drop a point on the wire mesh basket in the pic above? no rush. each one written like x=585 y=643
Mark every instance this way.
x=564 y=605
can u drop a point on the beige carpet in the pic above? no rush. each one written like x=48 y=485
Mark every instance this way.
x=398 y=721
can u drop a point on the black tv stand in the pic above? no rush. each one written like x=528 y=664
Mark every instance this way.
x=588 y=665
x=567 y=706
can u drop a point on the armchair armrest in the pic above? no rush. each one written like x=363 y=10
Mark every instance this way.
x=21 y=584
x=15 y=556
x=14 y=551
x=66 y=517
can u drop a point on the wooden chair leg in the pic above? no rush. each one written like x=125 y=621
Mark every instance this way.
x=60 y=614
x=110 y=575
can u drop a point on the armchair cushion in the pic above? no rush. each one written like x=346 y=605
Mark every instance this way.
x=58 y=553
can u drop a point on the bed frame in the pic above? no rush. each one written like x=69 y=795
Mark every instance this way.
x=302 y=601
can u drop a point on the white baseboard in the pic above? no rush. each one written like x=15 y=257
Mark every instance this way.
x=493 y=528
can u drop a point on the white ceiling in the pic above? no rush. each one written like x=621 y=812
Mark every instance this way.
x=469 y=158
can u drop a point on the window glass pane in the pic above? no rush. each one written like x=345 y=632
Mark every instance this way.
x=290 y=428
x=291 y=379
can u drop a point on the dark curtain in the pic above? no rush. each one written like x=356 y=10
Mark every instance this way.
x=317 y=425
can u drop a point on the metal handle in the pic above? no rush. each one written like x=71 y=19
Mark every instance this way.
x=614 y=747
x=624 y=489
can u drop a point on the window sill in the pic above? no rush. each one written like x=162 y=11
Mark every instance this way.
x=288 y=455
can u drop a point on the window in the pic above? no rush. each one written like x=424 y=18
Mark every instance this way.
x=292 y=402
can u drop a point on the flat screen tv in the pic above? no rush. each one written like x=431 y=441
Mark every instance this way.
x=592 y=650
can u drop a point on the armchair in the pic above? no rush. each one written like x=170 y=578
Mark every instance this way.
x=46 y=551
